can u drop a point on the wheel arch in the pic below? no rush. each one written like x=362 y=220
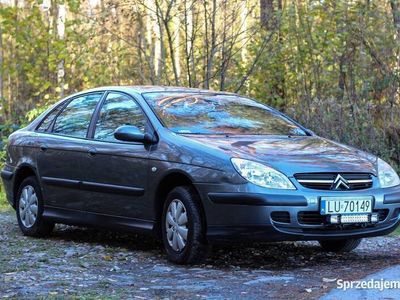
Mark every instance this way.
x=173 y=179
x=23 y=171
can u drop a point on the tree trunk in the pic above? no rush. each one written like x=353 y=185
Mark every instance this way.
x=213 y=48
x=61 y=17
x=176 y=46
x=189 y=33
x=395 y=5
x=394 y=141
x=1 y=67
x=166 y=18
x=267 y=14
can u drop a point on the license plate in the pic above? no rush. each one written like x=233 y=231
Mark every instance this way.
x=341 y=205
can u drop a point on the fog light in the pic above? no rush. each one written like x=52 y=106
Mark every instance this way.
x=334 y=219
x=374 y=218
x=354 y=219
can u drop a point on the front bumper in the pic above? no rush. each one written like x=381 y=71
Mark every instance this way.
x=247 y=212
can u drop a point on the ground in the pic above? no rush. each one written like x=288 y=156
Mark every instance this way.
x=87 y=263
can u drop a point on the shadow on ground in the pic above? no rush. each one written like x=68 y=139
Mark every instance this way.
x=283 y=255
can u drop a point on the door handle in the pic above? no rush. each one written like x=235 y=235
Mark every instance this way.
x=92 y=152
x=43 y=147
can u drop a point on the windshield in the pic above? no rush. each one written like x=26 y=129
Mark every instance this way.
x=195 y=113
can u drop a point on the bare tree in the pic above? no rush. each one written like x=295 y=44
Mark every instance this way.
x=210 y=42
x=61 y=18
x=166 y=18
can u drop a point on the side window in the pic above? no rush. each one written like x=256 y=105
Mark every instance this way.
x=74 y=120
x=47 y=120
x=118 y=110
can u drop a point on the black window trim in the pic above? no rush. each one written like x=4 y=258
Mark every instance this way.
x=96 y=115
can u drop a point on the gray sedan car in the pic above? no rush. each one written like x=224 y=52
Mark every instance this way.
x=194 y=167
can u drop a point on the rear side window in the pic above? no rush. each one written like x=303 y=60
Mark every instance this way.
x=48 y=120
x=118 y=110
x=74 y=120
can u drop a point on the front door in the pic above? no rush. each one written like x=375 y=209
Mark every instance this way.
x=118 y=172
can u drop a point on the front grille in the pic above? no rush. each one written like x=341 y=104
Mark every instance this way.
x=330 y=181
x=280 y=216
x=315 y=218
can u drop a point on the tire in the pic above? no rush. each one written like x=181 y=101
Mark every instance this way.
x=34 y=226
x=195 y=248
x=340 y=245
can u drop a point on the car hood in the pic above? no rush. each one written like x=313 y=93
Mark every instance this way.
x=292 y=155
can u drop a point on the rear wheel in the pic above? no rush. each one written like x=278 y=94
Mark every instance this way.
x=346 y=245
x=183 y=229
x=30 y=209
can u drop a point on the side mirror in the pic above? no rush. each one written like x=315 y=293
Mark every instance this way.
x=129 y=133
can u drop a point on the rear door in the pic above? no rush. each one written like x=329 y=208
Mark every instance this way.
x=64 y=152
x=118 y=170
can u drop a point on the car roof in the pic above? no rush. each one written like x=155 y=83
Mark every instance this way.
x=143 y=89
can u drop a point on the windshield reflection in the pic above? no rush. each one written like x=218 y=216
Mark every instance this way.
x=195 y=113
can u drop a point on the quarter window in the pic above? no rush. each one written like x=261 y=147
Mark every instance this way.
x=74 y=120
x=44 y=126
x=118 y=110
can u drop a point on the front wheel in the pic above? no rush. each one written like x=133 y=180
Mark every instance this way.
x=30 y=209
x=346 y=245
x=183 y=229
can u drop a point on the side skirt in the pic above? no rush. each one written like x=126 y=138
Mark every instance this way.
x=88 y=219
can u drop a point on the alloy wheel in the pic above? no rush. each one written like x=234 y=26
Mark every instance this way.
x=176 y=223
x=28 y=206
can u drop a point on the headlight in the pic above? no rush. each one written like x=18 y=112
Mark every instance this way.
x=387 y=176
x=262 y=175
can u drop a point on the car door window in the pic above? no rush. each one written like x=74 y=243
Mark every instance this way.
x=74 y=120
x=117 y=110
x=45 y=125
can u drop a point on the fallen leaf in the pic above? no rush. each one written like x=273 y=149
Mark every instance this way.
x=115 y=269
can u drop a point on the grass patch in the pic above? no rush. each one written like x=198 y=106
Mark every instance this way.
x=396 y=232
x=4 y=206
